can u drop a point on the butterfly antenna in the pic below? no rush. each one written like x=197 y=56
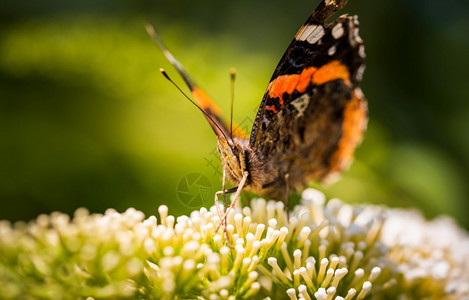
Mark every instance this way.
x=193 y=102
x=177 y=86
x=233 y=77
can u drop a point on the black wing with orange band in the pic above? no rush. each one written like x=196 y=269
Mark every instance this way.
x=313 y=114
x=319 y=53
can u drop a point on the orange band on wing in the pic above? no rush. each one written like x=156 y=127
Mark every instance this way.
x=283 y=84
x=272 y=108
x=353 y=127
x=289 y=83
x=204 y=101
x=331 y=71
x=305 y=79
x=239 y=132
x=300 y=82
x=208 y=105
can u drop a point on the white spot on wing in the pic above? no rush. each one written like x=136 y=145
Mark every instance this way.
x=356 y=36
x=300 y=104
x=360 y=72
x=332 y=50
x=338 y=31
x=311 y=33
x=361 y=51
x=359 y=93
x=316 y=35
x=305 y=31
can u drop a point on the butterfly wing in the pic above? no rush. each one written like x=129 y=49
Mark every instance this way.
x=313 y=114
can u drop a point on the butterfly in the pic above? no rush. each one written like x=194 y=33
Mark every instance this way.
x=311 y=117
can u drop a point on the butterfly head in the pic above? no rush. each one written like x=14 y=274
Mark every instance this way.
x=237 y=157
x=234 y=157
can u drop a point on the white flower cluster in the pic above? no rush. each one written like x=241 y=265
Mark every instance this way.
x=432 y=256
x=54 y=257
x=321 y=251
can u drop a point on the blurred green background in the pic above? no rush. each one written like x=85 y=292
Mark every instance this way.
x=86 y=119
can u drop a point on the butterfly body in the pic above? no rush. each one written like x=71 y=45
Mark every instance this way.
x=312 y=115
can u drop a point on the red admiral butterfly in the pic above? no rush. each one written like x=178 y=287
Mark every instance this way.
x=311 y=117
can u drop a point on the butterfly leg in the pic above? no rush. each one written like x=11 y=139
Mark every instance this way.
x=238 y=190
x=223 y=192
x=287 y=195
x=222 y=215
x=225 y=230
